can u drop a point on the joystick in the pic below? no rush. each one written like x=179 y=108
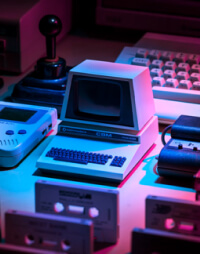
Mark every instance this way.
x=46 y=85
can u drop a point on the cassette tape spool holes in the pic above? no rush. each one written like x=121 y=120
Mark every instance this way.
x=93 y=212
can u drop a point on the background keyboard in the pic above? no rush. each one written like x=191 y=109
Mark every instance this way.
x=174 y=64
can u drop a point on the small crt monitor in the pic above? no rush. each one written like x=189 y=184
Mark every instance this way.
x=111 y=96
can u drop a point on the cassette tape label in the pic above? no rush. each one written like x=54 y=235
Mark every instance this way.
x=169 y=214
x=49 y=232
x=100 y=205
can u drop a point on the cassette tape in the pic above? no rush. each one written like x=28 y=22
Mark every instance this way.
x=14 y=249
x=153 y=241
x=49 y=232
x=101 y=205
x=173 y=215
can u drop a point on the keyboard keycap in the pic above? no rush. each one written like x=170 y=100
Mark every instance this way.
x=170 y=65
x=195 y=68
x=193 y=59
x=167 y=56
x=183 y=67
x=171 y=82
x=141 y=61
x=142 y=53
x=158 y=81
x=158 y=64
x=154 y=54
x=182 y=75
x=196 y=85
x=156 y=73
x=169 y=74
x=185 y=84
x=194 y=77
x=71 y=160
x=180 y=58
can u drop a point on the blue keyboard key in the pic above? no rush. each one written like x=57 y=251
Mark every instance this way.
x=70 y=160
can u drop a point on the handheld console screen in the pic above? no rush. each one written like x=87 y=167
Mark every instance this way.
x=15 y=114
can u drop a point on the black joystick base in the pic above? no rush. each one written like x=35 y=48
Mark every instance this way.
x=46 y=85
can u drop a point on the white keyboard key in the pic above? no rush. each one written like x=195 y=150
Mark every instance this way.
x=180 y=58
x=156 y=72
x=167 y=56
x=196 y=85
x=141 y=61
x=171 y=82
x=185 y=84
x=154 y=54
x=170 y=65
x=183 y=67
x=193 y=59
x=194 y=77
x=157 y=64
x=142 y=53
x=195 y=68
x=158 y=81
x=182 y=75
x=169 y=74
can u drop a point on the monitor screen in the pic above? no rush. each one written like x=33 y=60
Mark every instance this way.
x=100 y=100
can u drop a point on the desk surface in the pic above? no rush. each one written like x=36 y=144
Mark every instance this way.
x=17 y=185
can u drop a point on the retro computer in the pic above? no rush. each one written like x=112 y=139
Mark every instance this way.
x=108 y=122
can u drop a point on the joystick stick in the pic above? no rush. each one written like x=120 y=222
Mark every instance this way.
x=51 y=66
x=46 y=85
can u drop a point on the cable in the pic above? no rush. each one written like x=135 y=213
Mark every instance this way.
x=164 y=132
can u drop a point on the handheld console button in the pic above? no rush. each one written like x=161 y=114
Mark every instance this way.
x=22 y=132
x=9 y=132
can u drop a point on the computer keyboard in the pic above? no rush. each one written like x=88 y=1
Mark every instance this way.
x=174 y=64
x=83 y=157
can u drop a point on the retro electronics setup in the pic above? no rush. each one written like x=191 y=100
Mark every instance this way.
x=180 y=155
x=107 y=122
x=22 y=128
x=45 y=85
x=21 y=43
